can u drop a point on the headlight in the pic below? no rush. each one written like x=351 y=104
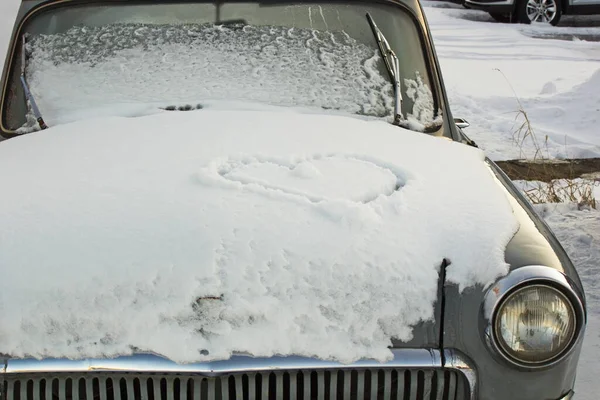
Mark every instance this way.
x=535 y=324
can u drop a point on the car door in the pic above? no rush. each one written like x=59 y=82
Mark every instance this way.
x=577 y=3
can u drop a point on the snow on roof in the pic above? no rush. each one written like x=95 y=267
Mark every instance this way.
x=203 y=233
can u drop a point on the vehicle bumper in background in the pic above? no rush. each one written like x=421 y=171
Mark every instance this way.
x=492 y=6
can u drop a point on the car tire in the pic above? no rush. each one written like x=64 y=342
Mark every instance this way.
x=504 y=18
x=544 y=11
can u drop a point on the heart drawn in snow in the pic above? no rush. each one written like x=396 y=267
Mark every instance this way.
x=318 y=178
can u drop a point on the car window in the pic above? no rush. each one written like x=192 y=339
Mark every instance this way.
x=120 y=58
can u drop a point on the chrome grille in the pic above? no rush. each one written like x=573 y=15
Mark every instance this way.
x=318 y=384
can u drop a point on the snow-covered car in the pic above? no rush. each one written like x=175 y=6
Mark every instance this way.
x=239 y=200
x=540 y=11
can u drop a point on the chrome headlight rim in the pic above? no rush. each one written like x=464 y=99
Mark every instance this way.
x=517 y=280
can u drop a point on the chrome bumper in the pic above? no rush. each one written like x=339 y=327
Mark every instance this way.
x=411 y=371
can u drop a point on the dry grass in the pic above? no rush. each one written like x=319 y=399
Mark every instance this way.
x=570 y=189
x=580 y=192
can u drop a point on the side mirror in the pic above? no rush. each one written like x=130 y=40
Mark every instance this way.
x=461 y=123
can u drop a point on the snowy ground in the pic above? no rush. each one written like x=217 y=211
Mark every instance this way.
x=8 y=11
x=556 y=74
x=557 y=81
x=579 y=233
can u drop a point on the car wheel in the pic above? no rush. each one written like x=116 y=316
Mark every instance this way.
x=544 y=11
x=504 y=18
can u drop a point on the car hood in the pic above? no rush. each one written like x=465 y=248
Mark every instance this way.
x=200 y=234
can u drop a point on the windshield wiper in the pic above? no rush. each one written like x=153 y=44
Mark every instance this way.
x=393 y=66
x=28 y=95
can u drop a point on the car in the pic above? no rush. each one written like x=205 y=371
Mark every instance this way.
x=540 y=11
x=239 y=200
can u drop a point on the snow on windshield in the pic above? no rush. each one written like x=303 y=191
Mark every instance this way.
x=87 y=67
x=199 y=234
x=422 y=113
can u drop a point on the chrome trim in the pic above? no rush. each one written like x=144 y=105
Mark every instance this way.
x=459 y=362
x=463 y=379
x=461 y=123
x=532 y=274
x=490 y=3
x=402 y=358
x=568 y=396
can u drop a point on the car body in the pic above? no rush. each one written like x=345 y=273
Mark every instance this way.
x=534 y=11
x=459 y=353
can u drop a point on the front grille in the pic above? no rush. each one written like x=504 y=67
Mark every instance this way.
x=336 y=384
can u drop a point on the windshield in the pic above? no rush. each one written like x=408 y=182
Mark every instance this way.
x=127 y=59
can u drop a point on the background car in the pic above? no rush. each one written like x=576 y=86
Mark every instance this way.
x=528 y=11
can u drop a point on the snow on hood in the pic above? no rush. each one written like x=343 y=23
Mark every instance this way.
x=199 y=234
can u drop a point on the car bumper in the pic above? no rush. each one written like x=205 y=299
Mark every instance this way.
x=492 y=6
x=446 y=375
x=454 y=375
